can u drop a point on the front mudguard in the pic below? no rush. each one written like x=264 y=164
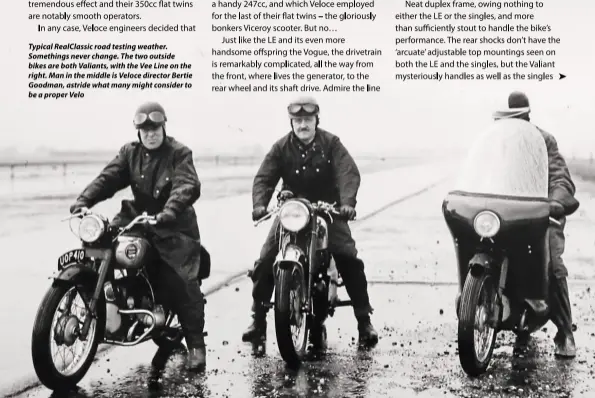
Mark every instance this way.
x=479 y=263
x=289 y=257
x=77 y=274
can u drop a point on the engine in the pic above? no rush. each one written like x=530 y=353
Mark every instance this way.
x=130 y=302
x=132 y=252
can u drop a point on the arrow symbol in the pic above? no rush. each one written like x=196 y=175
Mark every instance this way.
x=562 y=76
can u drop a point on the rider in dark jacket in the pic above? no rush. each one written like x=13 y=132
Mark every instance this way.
x=562 y=204
x=161 y=174
x=313 y=164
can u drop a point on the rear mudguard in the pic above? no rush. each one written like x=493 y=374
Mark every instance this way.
x=77 y=274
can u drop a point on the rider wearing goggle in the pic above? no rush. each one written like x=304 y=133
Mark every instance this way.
x=155 y=118
x=161 y=174
x=149 y=120
x=313 y=164
x=303 y=109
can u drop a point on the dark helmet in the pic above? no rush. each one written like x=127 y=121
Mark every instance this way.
x=518 y=107
x=303 y=106
x=518 y=99
x=149 y=114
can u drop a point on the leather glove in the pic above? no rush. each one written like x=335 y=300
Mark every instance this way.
x=165 y=217
x=284 y=195
x=78 y=206
x=556 y=209
x=259 y=213
x=347 y=211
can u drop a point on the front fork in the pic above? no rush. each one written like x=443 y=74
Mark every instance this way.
x=106 y=259
x=497 y=310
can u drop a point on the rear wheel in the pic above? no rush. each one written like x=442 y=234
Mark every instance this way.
x=60 y=358
x=291 y=322
x=476 y=338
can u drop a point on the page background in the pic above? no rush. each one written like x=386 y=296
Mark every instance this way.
x=416 y=115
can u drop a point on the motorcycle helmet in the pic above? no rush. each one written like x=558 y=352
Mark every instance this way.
x=149 y=114
x=303 y=106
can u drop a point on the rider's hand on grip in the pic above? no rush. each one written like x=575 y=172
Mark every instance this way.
x=259 y=213
x=165 y=217
x=348 y=212
x=78 y=207
x=284 y=195
x=556 y=209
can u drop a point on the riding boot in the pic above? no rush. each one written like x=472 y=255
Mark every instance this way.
x=367 y=334
x=521 y=343
x=561 y=316
x=197 y=359
x=317 y=337
x=258 y=328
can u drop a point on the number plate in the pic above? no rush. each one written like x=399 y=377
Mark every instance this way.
x=71 y=257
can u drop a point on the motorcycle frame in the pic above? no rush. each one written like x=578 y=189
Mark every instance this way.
x=291 y=254
x=518 y=252
x=86 y=272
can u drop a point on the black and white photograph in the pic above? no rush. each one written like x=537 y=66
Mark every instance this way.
x=298 y=199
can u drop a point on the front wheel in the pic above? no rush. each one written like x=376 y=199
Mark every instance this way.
x=290 y=320
x=60 y=358
x=476 y=338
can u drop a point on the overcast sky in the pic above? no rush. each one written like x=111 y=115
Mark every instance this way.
x=404 y=115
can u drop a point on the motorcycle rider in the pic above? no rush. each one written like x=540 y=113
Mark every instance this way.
x=314 y=164
x=163 y=179
x=562 y=204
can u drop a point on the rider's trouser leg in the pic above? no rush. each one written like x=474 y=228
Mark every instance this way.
x=263 y=285
x=262 y=274
x=350 y=267
x=561 y=310
x=180 y=279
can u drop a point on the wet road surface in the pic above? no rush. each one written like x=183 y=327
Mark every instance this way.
x=416 y=356
x=417 y=352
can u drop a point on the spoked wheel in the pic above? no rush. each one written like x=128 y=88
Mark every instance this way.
x=476 y=337
x=291 y=322
x=60 y=358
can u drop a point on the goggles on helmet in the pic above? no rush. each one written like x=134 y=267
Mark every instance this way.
x=294 y=109
x=154 y=117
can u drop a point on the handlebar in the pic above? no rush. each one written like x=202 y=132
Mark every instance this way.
x=554 y=221
x=141 y=219
x=319 y=207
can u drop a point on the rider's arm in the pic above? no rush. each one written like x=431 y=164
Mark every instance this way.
x=266 y=178
x=346 y=173
x=561 y=186
x=113 y=178
x=186 y=186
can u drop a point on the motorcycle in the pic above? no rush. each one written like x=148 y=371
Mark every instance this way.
x=498 y=216
x=305 y=274
x=109 y=278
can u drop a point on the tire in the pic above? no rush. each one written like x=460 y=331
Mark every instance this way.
x=473 y=290
x=41 y=341
x=287 y=281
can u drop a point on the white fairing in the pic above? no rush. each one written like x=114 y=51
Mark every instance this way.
x=508 y=158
